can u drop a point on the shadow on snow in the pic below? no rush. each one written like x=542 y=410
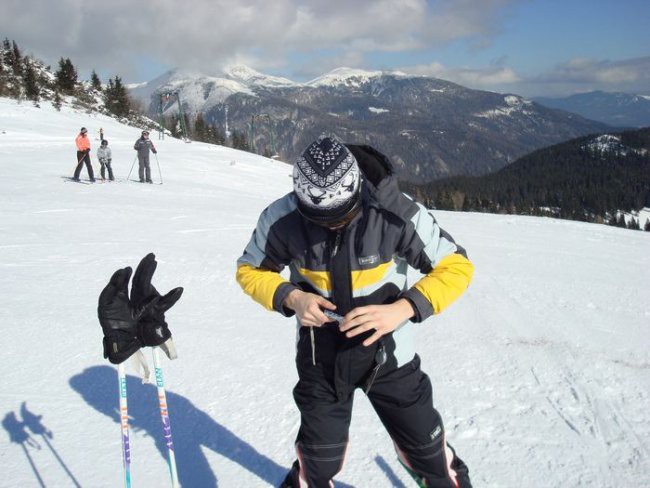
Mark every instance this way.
x=192 y=428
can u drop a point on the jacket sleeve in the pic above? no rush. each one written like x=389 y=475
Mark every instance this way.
x=265 y=256
x=136 y=146
x=432 y=251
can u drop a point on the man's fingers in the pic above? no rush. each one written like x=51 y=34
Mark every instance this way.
x=319 y=317
x=324 y=302
x=355 y=314
x=357 y=317
x=360 y=328
x=373 y=338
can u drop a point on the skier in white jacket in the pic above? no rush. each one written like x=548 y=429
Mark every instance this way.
x=104 y=156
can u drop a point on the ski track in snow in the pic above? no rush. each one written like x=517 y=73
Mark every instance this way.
x=541 y=371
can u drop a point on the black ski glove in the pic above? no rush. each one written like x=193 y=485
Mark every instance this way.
x=152 y=328
x=118 y=318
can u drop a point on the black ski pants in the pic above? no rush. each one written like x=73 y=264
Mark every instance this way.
x=402 y=398
x=84 y=157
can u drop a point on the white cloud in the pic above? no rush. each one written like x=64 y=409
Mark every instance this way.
x=581 y=70
x=585 y=74
x=473 y=78
x=116 y=35
x=575 y=75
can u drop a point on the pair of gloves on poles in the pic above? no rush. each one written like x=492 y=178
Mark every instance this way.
x=138 y=321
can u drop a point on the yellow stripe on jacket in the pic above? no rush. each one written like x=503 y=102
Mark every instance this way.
x=259 y=283
x=447 y=281
x=322 y=280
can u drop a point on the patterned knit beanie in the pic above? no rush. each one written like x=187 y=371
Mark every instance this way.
x=326 y=181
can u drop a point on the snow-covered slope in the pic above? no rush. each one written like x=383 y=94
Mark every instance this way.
x=541 y=371
x=198 y=92
x=250 y=77
x=350 y=77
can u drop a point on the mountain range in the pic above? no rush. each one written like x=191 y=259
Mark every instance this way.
x=616 y=109
x=430 y=128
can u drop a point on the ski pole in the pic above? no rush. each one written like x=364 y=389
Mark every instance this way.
x=129 y=177
x=164 y=415
x=124 y=422
x=159 y=172
x=79 y=162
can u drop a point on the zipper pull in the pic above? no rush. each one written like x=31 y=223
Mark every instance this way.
x=337 y=244
x=380 y=360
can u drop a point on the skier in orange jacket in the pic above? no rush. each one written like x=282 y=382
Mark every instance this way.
x=83 y=155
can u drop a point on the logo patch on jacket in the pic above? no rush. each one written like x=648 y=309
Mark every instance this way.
x=437 y=431
x=366 y=260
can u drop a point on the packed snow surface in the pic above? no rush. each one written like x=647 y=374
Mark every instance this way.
x=541 y=371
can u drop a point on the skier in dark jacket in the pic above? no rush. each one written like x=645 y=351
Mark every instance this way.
x=143 y=146
x=348 y=236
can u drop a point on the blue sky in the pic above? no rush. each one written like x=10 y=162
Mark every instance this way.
x=530 y=47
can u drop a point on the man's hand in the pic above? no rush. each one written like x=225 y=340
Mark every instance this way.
x=383 y=319
x=308 y=308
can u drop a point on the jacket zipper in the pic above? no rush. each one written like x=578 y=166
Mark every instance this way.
x=334 y=251
x=337 y=244
x=380 y=359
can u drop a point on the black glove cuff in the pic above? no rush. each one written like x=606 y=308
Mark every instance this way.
x=120 y=347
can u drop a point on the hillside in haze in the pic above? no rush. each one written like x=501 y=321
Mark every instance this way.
x=615 y=109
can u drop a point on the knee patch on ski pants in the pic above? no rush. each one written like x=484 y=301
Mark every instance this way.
x=322 y=440
x=403 y=399
x=319 y=463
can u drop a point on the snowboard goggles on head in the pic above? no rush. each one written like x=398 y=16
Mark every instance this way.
x=337 y=221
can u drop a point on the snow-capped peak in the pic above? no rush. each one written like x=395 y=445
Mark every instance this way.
x=608 y=143
x=351 y=77
x=248 y=76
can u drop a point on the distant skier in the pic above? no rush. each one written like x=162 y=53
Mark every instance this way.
x=143 y=146
x=83 y=155
x=101 y=134
x=348 y=235
x=104 y=156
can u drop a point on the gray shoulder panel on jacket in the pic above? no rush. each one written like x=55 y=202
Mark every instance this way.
x=255 y=252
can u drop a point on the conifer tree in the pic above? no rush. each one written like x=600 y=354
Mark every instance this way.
x=57 y=102
x=32 y=90
x=95 y=81
x=66 y=76
x=200 y=130
x=17 y=59
x=646 y=227
x=7 y=53
x=633 y=224
x=116 y=97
